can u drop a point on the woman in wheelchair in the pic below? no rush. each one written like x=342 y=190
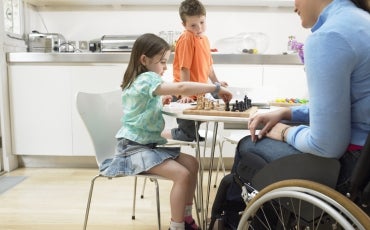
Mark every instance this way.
x=336 y=122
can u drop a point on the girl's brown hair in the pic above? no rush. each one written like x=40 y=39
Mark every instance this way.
x=149 y=45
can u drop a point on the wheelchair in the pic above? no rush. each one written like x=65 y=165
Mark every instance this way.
x=298 y=192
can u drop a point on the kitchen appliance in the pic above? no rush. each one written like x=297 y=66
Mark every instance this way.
x=95 y=45
x=45 y=42
x=117 y=43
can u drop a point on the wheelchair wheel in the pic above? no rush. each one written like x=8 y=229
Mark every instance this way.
x=304 y=205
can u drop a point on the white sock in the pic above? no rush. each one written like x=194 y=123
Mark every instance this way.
x=177 y=226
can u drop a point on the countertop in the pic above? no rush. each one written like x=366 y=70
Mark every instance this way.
x=123 y=57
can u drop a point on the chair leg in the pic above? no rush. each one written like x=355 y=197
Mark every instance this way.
x=142 y=191
x=217 y=171
x=220 y=162
x=158 y=202
x=197 y=209
x=89 y=201
x=134 y=200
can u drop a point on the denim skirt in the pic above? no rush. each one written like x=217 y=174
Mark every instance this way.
x=132 y=158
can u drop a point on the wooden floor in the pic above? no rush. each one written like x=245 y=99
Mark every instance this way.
x=55 y=199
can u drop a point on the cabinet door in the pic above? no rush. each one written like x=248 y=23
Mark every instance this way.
x=245 y=76
x=243 y=80
x=44 y=117
x=92 y=79
x=40 y=110
x=285 y=81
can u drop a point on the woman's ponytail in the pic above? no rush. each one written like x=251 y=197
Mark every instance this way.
x=363 y=4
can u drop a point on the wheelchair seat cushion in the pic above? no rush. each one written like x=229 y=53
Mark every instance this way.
x=298 y=166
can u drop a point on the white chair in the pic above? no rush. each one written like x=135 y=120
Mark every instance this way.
x=233 y=138
x=101 y=114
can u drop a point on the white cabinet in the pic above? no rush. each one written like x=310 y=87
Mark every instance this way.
x=244 y=76
x=45 y=121
x=43 y=112
x=264 y=83
x=40 y=98
x=285 y=81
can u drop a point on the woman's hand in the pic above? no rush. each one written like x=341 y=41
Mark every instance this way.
x=267 y=121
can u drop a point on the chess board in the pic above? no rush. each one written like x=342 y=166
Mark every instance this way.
x=215 y=112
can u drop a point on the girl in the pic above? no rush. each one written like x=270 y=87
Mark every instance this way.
x=143 y=123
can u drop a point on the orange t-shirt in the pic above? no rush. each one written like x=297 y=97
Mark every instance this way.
x=194 y=53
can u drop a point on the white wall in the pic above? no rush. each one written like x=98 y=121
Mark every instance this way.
x=88 y=23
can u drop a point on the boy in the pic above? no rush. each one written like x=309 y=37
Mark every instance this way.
x=192 y=60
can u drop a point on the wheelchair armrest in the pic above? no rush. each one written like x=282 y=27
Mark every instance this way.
x=365 y=199
x=299 y=166
x=361 y=173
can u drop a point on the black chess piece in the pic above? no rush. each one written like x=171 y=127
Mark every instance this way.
x=247 y=102
x=234 y=108
x=241 y=106
x=227 y=106
x=237 y=105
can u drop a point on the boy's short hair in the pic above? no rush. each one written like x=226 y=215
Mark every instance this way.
x=191 y=8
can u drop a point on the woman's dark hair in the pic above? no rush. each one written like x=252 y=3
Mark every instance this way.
x=149 y=45
x=363 y=4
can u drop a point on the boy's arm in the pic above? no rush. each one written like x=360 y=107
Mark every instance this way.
x=185 y=74
x=212 y=76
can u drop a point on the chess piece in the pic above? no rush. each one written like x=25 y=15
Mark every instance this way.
x=227 y=106
x=233 y=108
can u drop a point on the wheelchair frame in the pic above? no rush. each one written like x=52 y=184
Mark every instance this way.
x=304 y=203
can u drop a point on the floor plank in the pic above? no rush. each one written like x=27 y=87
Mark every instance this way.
x=55 y=199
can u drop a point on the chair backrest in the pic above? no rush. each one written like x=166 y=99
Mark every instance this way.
x=101 y=114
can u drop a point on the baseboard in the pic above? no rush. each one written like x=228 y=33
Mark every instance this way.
x=32 y=161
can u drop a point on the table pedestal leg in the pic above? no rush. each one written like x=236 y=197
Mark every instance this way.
x=203 y=207
x=199 y=190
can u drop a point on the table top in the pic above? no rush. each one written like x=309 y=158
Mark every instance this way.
x=176 y=110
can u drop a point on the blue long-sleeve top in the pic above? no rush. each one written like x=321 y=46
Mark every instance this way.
x=337 y=64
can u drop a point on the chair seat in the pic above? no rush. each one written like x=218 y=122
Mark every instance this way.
x=194 y=143
x=237 y=134
x=142 y=175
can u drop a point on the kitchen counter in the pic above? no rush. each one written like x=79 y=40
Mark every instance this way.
x=252 y=59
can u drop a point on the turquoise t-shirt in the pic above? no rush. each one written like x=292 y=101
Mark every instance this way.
x=142 y=119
